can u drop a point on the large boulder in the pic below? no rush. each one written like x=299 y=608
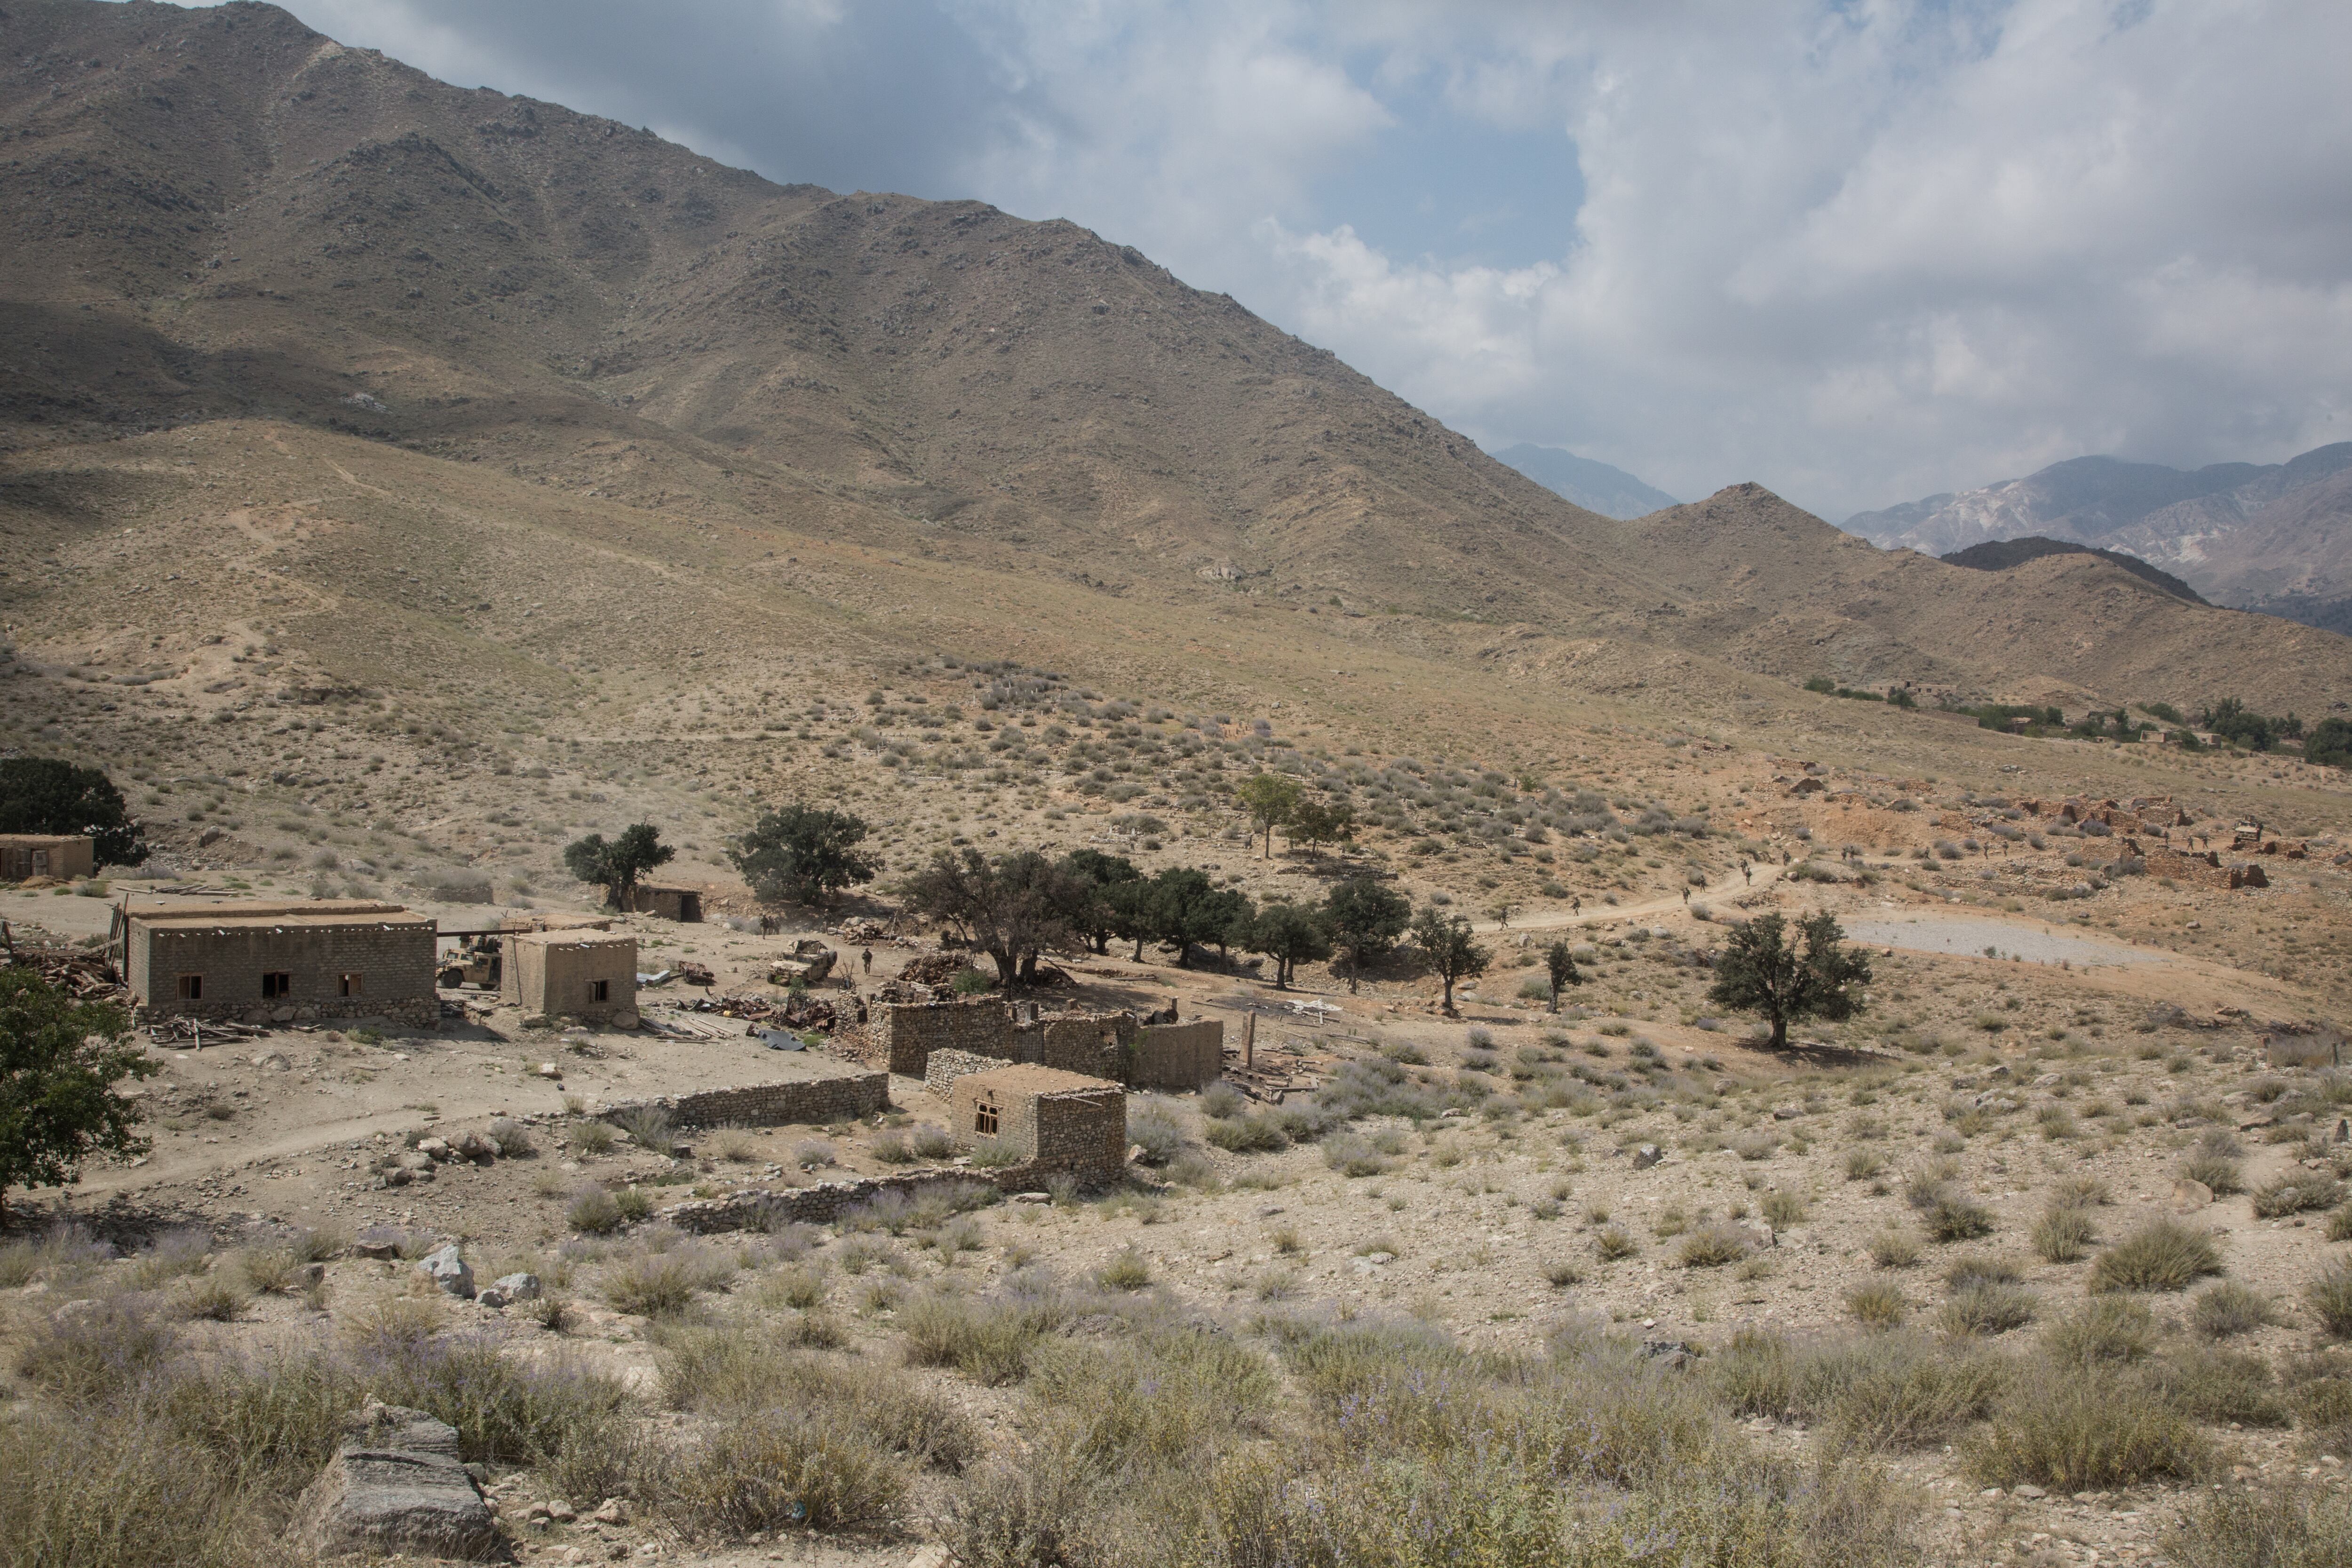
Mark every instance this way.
x=447 y=1269
x=396 y=1485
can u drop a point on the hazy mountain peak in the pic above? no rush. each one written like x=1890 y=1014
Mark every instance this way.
x=1593 y=485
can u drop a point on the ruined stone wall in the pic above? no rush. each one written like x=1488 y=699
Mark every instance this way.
x=900 y=1036
x=761 y=1209
x=555 y=975
x=1179 y=1056
x=1081 y=1043
x=812 y=1101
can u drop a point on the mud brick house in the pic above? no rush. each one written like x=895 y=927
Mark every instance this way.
x=1057 y=1121
x=572 y=974
x=1179 y=1056
x=24 y=855
x=263 y=962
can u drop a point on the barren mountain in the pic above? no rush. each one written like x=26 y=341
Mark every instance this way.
x=2271 y=537
x=1594 y=486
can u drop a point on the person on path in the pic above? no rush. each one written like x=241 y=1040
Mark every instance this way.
x=868 y=957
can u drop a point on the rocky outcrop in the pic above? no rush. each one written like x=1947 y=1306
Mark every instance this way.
x=396 y=1485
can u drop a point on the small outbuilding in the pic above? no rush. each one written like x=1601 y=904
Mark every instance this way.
x=572 y=974
x=263 y=961
x=668 y=899
x=1057 y=1121
x=24 y=855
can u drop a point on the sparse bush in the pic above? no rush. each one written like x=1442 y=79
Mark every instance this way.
x=988 y=1340
x=996 y=1153
x=2222 y=1174
x=2227 y=1309
x=1151 y=1123
x=781 y=1468
x=512 y=1137
x=1784 y=1209
x=95 y=1354
x=2218 y=1387
x=662 y=1284
x=591 y=1137
x=594 y=1212
x=1954 y=1217
x=2292 y=1526
x=648 y=1128
x=2298 y=1192
x=1253 y=1134
x=2105 y=1330
x=2085 y=1433
x=2064 y=1234
x=891 y=1148
x=1989 y=1309
x=1128 y=1270
x=1894 y=1249
x=931 y=1143
x=1861 y=1164
x=1712 y=1246
x=1613 y=1243
x=2329 y=1296
x=2161 y=1255
x=1221 y=1099
x=1878 y=1305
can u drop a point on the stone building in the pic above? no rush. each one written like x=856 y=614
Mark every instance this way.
x=24 y=855
x=1057 y=1121
x=668 y=900
x=572 y=974
x=1178 y=1056
x=263 y=961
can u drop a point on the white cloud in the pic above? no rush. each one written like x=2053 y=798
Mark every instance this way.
x=1857 y=250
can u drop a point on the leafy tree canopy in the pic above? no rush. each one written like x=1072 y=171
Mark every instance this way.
x=1445 y=942
x=46 y=794
x=59 y=1062
x=1272 y=801
x=804 y=854
x=616 y=865
x=1559 y=964
x=1012 y=908
x=1289 y=934
x=1764 y=970
x=1365 y=916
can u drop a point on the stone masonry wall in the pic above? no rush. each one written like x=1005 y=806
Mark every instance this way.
x=395 y=961
x=761 y=1209
x=946 y=1067
x=900 y=1036
x=811 y=1101
x=1083 y=1131
x=1180 y=1055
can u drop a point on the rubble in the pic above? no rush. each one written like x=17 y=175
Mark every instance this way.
x=396 y=1485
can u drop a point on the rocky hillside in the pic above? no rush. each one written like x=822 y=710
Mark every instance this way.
x=574 y=335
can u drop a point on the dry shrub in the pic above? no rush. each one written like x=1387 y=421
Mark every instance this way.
x=1986 y=1310
x=2064 y=1234
x=2085 y=1432
x=2293 y=1526
x=2329 y=1296
x=1878 y=1305
x=1894 y=1249
x=2298 y=1192
x=95 y=1351
x=1956 y=1218
x=2104 y=1331
x=1712 y=1246
x=593 y=1211
x=659 y=1284
x=2227 y=1309
x=2222 y=1174
x=1886 y=1390
x=112 y=1490
x=779 y=1470
x=2219 y=1386
x=988 y=1339
x=2163 y=1255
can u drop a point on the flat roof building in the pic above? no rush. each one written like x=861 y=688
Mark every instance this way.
x=24 y=855
x=265 y=962
x=1057 y=1121
x=572 y=974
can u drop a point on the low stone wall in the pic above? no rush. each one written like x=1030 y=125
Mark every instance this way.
x=762 y=1209
x=946 y=1067
x=814 y=1100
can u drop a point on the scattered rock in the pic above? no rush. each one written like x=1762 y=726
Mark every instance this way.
x=509 y=1288
x=476 y=1148
x=272 y=1061
x=434 y=1149
x=611 y=1510
x=1647 y=1156
x=395 y=1485
x=2029 y=1492
x=2188 y=1196
x=548 y=1070
x=446 y=1269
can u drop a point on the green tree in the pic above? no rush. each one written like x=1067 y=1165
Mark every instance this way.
x=59 y=1061
x=1448 y=947
x=44 y=795
x=1289 y=934
x=2239 y=725
x=1012 y=908
x=616 y=865
x=2330 y=743
x=1762 y=970
x=1100 y=913
x=1318 y=822
x=804 y=854
x=1365 y=917
x=1272 y=801
x=1561 y=965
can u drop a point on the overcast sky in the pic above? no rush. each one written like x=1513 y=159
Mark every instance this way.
x=1857 y=250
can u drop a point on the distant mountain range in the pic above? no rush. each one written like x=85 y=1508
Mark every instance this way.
x=1594 y=486
x=2273 y=537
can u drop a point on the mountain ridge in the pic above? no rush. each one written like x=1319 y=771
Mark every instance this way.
x=1588 y=482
